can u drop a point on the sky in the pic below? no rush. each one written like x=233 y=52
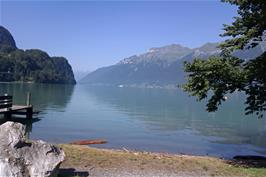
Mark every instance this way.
x=93 y=34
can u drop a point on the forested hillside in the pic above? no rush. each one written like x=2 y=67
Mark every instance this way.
x=31 y=65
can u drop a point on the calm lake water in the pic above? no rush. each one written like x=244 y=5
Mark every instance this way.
x=160 y=120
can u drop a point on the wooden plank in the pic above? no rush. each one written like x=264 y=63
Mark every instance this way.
x=8 y=105
x=15 y=108
x=3 y=111
x=19 y=107
x=6 y=97
x=19 y=113
x=24 y=112
x=5 y=101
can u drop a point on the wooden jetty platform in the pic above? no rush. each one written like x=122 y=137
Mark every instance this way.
x=8 y=109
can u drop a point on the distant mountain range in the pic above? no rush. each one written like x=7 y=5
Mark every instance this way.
x=80 y=74
x=159 y=67
x=31 y=65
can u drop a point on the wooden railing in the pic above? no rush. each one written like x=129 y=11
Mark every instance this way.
x=6 y=102
x=8 y=108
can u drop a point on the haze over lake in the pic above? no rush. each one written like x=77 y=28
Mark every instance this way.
x=161 y=120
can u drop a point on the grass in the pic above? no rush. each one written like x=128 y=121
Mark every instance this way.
x=89 y=159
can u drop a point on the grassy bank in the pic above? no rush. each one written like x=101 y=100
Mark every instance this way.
x=84 y=161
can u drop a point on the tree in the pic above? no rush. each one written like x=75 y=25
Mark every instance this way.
x=225 y=74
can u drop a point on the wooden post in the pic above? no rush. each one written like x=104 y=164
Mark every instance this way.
x=29 y=112
x=28 y=98
x=7 y=115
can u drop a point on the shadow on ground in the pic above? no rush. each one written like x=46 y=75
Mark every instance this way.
x=70 y=172
x=249 y=161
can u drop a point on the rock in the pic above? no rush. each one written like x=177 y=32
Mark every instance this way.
x=20 y=158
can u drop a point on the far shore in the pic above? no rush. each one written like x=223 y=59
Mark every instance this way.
x=89 y=161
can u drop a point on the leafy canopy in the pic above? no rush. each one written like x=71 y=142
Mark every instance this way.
x=248 y=27
x=225 y=74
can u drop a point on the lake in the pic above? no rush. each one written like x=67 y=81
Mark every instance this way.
x=158 y=120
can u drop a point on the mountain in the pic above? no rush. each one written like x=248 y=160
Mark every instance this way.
x=203 y=52
x=166 y=54
x=159 y=67
x=251 y=53
x=31 y=65
x=7 y=42
x=80 y=74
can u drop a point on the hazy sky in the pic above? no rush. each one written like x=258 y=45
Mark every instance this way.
x=92 y=34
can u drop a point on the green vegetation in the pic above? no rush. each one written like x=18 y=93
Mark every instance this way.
x=35 y=66
x=99 y=161
x=31 y=65
x=226 y=74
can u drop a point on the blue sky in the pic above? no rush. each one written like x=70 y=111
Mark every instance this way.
x=92 y=34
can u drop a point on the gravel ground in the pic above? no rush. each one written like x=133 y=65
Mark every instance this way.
x=84 y=161
x=117 y=172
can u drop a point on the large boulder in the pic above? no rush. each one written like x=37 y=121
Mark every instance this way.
x=22 y=158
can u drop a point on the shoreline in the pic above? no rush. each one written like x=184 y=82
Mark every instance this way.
x=81 y=160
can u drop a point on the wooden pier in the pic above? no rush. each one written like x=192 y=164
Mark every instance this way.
x=8 y=109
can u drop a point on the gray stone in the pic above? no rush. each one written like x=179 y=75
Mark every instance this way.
x=22 y=158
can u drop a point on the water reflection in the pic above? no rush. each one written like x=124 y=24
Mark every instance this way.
x=44 y=97
x=142 y=119
x=173 y=110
